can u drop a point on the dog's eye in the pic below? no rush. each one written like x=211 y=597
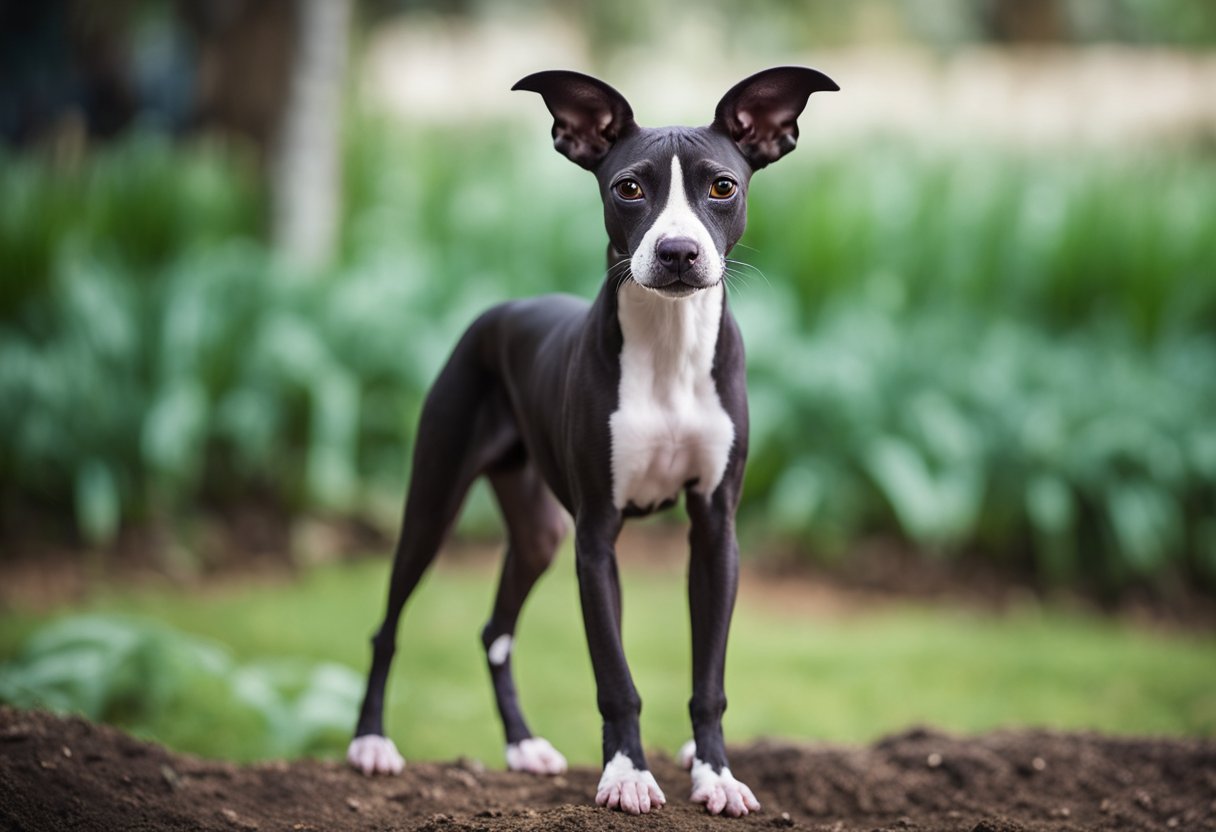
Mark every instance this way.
x=722 y=188
x=629 y=189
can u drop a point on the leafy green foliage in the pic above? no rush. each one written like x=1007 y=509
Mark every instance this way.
x=163 y=683
x=1088 y=452
x=986 y=351
x=1061 y=243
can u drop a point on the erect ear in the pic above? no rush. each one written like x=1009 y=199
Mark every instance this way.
x=588 y=115
x=760 y=113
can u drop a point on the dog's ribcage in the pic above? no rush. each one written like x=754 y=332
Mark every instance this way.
x=669 y=428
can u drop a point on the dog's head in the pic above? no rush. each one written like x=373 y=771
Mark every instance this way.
x=675 y=197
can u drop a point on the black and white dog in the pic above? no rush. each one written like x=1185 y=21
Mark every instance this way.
x=608 y=411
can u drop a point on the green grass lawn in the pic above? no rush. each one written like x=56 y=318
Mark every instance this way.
x=791 y=673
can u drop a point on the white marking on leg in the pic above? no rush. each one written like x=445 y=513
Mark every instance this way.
x=669 y=426
x=624 y=787
x=374 y=754
x=499 y=650
x=536 y=756
x=688 y=752
x=721 y=791
x=677 y=219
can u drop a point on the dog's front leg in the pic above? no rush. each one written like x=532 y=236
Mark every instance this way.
x=713 y=579
x=627 y=783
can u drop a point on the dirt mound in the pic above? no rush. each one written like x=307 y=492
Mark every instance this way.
x=64 y=773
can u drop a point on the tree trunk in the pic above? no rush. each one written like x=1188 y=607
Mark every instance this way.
x=1026 y=21
x=306 y=170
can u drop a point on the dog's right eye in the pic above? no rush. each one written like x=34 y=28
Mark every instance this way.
x=629 y=189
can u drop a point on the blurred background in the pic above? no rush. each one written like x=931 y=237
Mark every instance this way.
x=238 y=239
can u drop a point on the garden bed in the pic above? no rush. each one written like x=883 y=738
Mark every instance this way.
x=66 y=773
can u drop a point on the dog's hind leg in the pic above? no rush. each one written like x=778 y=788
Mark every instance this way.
x=464 y=427
x=536 y=526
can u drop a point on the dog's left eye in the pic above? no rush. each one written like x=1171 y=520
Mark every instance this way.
x=722 y=188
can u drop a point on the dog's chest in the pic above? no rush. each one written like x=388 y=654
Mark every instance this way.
x=669 y=429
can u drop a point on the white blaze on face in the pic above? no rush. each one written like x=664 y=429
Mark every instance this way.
x=677 y=219
x=669 y=427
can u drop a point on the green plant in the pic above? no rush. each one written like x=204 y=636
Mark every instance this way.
x=1087 y=451
x=988 y=351
x=160 y=682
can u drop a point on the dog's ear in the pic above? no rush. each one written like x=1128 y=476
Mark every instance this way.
x=588 y=115
x=760 y=113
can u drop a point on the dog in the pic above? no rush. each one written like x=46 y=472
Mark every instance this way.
x=608 y=410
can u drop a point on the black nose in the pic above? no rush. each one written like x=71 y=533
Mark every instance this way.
x=677 y=254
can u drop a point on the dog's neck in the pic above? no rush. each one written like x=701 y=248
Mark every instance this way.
x=678 y=335
x=669 y=430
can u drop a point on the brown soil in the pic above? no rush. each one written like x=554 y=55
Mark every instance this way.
x=65 y=773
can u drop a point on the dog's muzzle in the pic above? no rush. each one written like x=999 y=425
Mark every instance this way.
x=678 y=268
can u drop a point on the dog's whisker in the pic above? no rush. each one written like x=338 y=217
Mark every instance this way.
x=616 y=268
x=735 y=283
x=741 y=277
x=755 y=269
x=743 y=263
x=618 y=274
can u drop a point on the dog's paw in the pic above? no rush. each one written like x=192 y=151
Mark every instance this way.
x=628 y=789
x=374 y=754
x=535 y=756
x=688 y=753
x=721 y=792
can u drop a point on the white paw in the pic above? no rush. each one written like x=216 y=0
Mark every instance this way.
x=374 y=754
x=535 y=756
x=721 y=791
x=688 y=752
x=624 y=787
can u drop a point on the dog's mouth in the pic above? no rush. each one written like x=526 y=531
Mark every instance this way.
x=677 y=287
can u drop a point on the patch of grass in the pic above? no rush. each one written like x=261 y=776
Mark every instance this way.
x=790 y=674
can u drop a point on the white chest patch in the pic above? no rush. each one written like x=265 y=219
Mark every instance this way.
x=669 y=427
